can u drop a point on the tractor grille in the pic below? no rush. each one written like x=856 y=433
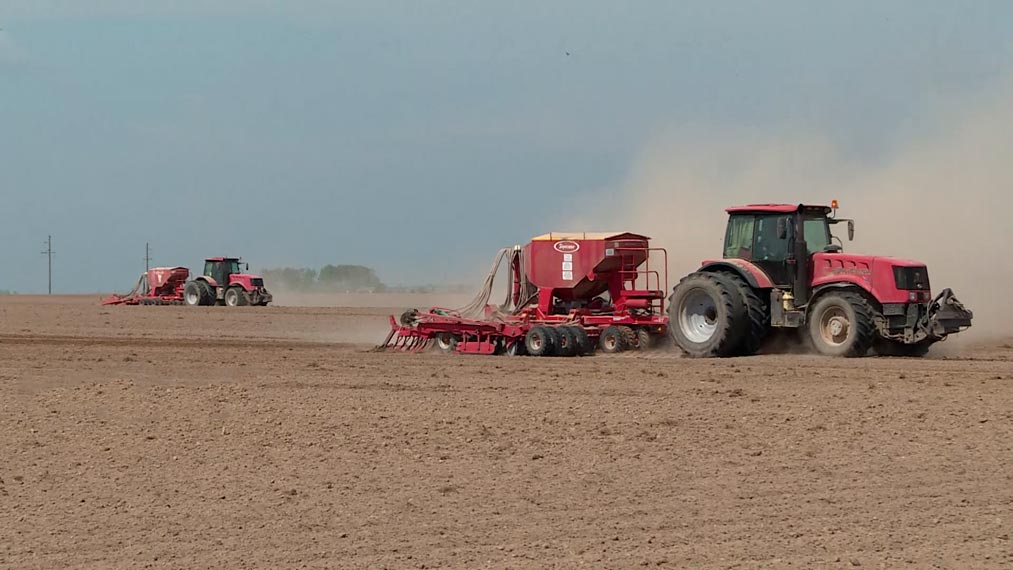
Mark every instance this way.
x=911 y=278
x=257 y=282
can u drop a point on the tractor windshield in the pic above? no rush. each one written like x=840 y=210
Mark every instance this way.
x=767 y=244
x=817 y=234
x=231 y=266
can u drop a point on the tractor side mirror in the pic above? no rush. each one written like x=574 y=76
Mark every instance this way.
x=851 y=230
x=782 y=228
x=247 y=266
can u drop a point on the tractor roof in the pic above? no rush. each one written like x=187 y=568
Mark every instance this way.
x=558 y=236
x=222 y=259
x=776 y=208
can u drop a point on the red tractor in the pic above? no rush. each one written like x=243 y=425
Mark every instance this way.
x=223 y=284
x=782 y=268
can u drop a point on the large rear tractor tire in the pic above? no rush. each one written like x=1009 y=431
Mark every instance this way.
x=887 y=347
x=192 y=294
x=706 y=318
x=841 y=324
x=757 y=311
x=612 y=340
x=208 y=296
x=198 y=293
x=540 y=341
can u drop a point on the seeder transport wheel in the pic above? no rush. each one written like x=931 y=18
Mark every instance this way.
x=630 y=336
x=612 y=340
x=645 y=340
x=446 y=342
x=584 y=344
x=567 y=342
x=540 y=341
x=516 y=348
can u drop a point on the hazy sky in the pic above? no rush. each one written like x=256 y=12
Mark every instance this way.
x=416 y=137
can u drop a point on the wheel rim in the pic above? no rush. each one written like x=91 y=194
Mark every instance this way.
x=536 y=342
x=231 y=298
x=834 y=326
x=698 y=316
x=444 y=341
x=610 y=342
x=191 y=297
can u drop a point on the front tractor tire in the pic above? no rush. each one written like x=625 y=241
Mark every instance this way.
x=705 y=315
x=841 y=324
x=236 y=297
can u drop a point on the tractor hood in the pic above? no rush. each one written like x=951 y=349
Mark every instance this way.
x=873 y=273
x=249 y=281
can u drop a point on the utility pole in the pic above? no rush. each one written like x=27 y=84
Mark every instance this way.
x=147 y=257
x=49 y=253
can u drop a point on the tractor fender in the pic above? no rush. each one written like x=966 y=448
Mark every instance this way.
x=209 y=280
x=753 y=275
x=845 y=282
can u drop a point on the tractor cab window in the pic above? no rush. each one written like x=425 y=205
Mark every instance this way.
x=768 y=246
x=817 y=234
x=739 y=239
x=232 y=266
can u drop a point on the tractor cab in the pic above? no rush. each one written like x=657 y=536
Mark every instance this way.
x=220 y=269
x=780 y=239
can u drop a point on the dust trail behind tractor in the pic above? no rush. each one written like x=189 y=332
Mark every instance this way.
x=568 y=294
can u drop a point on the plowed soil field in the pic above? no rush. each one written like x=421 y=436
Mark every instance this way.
x=178 y=437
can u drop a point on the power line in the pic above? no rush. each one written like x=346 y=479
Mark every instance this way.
x=49 y=253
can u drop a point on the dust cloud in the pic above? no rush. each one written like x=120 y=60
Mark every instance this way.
x=942 y=196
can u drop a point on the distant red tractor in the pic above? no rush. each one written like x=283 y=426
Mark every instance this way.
x=782 y=269
x=223 y=284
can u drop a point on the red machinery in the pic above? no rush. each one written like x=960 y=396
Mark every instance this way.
x=222 y=283
x=567 y=293
x=157 y=286
x=782 y=269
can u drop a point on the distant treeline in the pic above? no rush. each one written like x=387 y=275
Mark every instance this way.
x=327 y=278
x=7 y=292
